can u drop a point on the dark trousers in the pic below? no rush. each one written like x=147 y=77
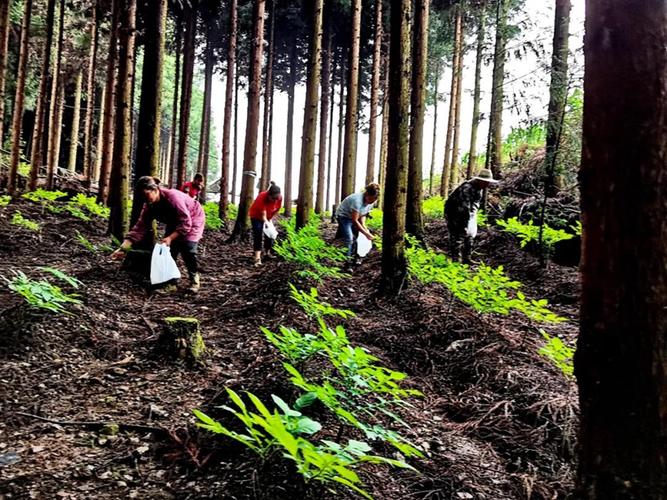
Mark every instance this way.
x=258 y=235
x=188 y=249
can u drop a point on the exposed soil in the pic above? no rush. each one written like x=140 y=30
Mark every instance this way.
x=497 y=419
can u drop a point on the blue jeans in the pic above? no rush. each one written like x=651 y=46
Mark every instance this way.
x=348 y=230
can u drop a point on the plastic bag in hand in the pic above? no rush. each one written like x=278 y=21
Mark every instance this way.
x=163 y=265
x=471 y=230
x=364 y=245
x=270 y=230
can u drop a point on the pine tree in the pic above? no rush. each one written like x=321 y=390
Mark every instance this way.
x=74 y=141
x=375 y=92
x=324 y=117
x=268 y=104
x=4 y=40
x=226 y=130
x=190 y=20
x=472 y=155
x=90 y=96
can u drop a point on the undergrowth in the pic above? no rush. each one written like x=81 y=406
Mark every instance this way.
x=530 y=232
x=42 y=294
x=19 y=220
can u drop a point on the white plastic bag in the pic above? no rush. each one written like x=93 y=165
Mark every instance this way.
x=364 y=245
x=270 y=230
x=471 y=230
x=163 y=266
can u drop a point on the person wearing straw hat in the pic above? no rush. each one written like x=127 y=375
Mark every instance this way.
x=461 y=214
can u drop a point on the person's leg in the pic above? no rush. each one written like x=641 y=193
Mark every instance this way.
x=455 y=237
x=467 y=249
x=257 y=235
x=189 y=251
x=345 y=226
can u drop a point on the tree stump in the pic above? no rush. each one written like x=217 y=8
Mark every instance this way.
x=183 y=337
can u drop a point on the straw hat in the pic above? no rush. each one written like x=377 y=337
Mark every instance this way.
x=486 y=175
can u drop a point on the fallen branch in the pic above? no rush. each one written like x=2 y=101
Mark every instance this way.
x=99 y=425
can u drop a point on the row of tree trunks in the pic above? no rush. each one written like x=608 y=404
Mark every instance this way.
x=495 y=141
x=268 y=105
x=307 y=170
x=252 y=123
x=90 y=95
x=57 y=98
x=4 y=40
x=205 y=131
x=226 y=128
x=351 y=110
x=414 y=221
x=375 y=91
x=170 y=175
x=287 y=201
x=190 y=20
x=322 y=179
x=472 y=156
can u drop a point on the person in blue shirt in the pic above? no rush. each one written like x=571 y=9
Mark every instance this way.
x=352 y=213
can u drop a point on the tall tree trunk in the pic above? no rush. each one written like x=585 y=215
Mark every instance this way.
x=42 y=97
x=332 y=109
x=90 y=96
x=351 y=112
x=494 y=155
x=454 y=170
x=205 y=141
x=190 y=19
x=226 y=129
x=472 y=155
x=384 y=139
x=235 y=163
x=290 y=133
x=150 y=106
x=99 y=147
x=435 y=130
x=375 y=92
x=324 y=118
x=307 y=171
x=621 y=356
x=394 y=266
x=339 y=155
x=19 y=96
x=414 y=223
x=120 y=173
x=446 y=166
x=106 y=153
x=170 y=178
x=557 y=90
x=4 y=44
x=268 y=105
x=74 y=141
x=252 y=123
x=58 y=88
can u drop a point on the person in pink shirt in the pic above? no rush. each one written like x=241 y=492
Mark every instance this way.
x=184 y=219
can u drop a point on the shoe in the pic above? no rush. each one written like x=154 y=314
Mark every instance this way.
x=258 y=262
x=195 y=283
x=167 y=290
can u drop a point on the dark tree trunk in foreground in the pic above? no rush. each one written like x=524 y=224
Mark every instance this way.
x=414 y=223
x=4 y=39
x=268 y=103
x=375 y=93
x=252 y=124
x=287 y=198
x=394 y=266
x=622 y=347
x=42 y=99
x=19 y=96
x=227 y=125
x=307 y=170
x=150 y=108
x=122 y=148
x=320 y=204
x=190 y=20
x=90 y=97
x=472 y=155
x=494 y=152
x=557 y=90
x=351 y=111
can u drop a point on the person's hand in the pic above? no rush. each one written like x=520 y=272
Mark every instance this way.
x=370 y=236
x=119 y=254
x=167 y=240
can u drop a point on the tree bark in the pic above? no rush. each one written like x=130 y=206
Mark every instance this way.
x=332 y=109
x=472 y=155
x=42 y=97
x=339 y=155
x=435 y=131
x=205 y=132
x=56 y=96
x=447 y=162
x=351 y=112
x=557 y=91
x=170 y=178
x=414 y=223
x=494 y=155
x=394 y=266
x=190 y=19
x=454 y=170
x=150 y=106
x=74 y=141
x=622 y=347
x=120 y=173
x=4 y=44
x=375 y=93
x=307 y=170
x=106 y=153
x=384 y=140
x=324 y=118
x=90 y=97
x=19 y=96
x=226 y=129
x=268 y=105
x=97 y=165
x=252 y=123
x=235 y=164
x=287 y=201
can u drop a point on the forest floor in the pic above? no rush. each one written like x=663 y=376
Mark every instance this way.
x=497 y=420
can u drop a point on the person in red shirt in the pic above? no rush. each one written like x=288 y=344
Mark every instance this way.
x=193 y=187
x=266 y=205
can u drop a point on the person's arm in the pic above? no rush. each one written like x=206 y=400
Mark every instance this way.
x=137 y=233
x=358 y=220
x=183 y=221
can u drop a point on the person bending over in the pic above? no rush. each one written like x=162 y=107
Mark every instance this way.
x=266 y=205
x=193 y=188
x=352 y=212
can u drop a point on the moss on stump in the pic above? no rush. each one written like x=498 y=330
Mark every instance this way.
x=184 y=338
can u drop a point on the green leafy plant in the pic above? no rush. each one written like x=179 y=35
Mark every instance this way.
x=41 y=294
x=43 y=197
x=70 y=280
x=314 y=308
x=558 y=353
x=295 y=346
x=88 y=245
x=213 y=220
x=434 y=207
x=90 y=205
x=4 y=200
x=529 y=232
x=481 y=219
x=374 y=222
x=19 y=220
